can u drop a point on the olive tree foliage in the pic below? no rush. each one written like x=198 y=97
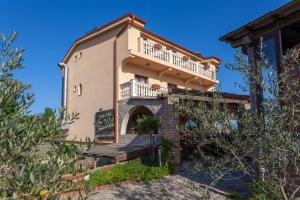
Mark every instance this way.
x=33 y=157
x=261 y=143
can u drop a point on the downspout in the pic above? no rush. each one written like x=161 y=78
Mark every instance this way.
x=116 y=74
x=64 y=67
x=116 y=77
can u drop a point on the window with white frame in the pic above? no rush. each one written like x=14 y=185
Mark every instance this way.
x=79 y=91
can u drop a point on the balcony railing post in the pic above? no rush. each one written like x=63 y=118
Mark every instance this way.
x=200 y=68
x=133 y=88
x=171 y=56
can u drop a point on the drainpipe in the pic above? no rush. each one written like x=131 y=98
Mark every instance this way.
x=116 y=76
x=64 y=69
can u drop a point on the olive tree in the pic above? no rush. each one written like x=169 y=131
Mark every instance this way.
x=33 y=156
x=261 y=143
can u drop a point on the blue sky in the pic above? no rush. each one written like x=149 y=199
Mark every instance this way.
x=46 y=29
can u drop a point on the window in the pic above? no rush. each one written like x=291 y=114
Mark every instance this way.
x=233 y=123
x=270 y=72
x=141 y=79
x=190 y=124
x=219 y=125
x=288 y=37
x=79 y=92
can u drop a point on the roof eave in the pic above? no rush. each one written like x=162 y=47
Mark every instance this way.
x=237 y=34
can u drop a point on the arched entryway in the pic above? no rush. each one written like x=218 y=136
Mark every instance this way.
x=136 y=113
x=129 y=122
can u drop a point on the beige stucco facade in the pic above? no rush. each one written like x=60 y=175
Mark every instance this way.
x=102 y=63
x=91 y=65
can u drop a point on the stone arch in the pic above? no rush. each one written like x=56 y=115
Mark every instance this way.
x=127 y=107
x=131 y=116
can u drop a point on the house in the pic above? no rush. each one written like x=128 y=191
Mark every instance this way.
x=280 y=30
x=122 y=60
x=120 y=71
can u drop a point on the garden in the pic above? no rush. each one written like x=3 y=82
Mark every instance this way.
x=140 y=169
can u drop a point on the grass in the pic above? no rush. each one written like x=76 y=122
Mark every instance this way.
x=140 y=168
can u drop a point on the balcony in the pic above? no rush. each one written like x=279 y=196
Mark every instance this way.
x=168 y=56
x=138 y=89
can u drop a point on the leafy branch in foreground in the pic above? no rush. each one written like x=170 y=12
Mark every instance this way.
x=262 y=144
x=33 y=157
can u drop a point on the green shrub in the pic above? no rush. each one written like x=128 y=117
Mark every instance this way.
x=33 y=157
x=235 y=196
x=261 y=197
x=140 y=168
x=166 y=147
x=264 y=190
x=147 y=124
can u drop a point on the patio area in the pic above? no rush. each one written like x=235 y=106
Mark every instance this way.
x=128 y=149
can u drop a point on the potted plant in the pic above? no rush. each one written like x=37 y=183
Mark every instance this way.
x=155 y=87
x=157 y=46
x=148 y=125
x=206 y=66
x=185 y=58
x=193 y=58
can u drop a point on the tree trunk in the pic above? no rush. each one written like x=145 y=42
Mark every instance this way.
x=152 y=138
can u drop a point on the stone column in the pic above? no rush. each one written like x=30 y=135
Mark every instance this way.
x=169 y=129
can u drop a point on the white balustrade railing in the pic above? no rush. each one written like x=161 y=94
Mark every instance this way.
x=134 y=88
x=167 y=55
x=150 y=49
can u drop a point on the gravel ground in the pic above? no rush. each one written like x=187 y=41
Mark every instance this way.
x=185 y=184
x=172 y=187
x=236 y=182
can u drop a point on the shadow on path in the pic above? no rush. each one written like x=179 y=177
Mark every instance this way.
x=236 y=182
